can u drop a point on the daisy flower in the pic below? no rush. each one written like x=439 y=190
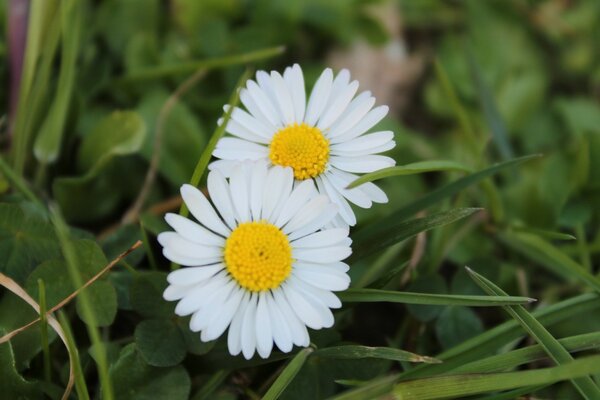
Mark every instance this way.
x=256 y=259
x=323 y=139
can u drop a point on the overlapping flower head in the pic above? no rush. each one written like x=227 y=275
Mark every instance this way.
x=258 y=260
x=323 y=139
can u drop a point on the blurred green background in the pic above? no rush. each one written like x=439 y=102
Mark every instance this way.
x=476 y=82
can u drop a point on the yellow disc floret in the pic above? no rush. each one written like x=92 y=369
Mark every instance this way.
x=302 y=147
x=258 y=255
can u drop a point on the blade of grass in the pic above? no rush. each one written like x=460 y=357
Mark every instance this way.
x=410 y=169
x=287 y=375
x=555 y=350
x=387 y=237
x=352 y=352
x=216 y=379
x=44 y=330
x=387 y=278
x=515 y=358
x=552 y=235
x=80 y=385
x=69 y=254
x=458 y=386
x=18 y=182
x=189 y=67
x=547 y=255
x=397 y=217
x=47 y=144
x=374 y=295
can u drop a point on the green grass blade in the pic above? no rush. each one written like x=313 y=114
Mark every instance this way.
x=372 y=390
x=386 y=237
x=374 y=295
x=44 y=330
x=69 y=254
x=544 y=253
x=410 y=169
x=397 y=217
x=515 y=358
x=18 y=182
x=189 y=67
x=216 y=379
x=80 y=385
x=287 y=375
x=458 y=386
x=555 y=350
x=352 y=352
x=552 y=235
x=47 y=144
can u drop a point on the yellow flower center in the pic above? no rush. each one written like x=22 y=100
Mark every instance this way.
x=302 y=147
x=258 y=255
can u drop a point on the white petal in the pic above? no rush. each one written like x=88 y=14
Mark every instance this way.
x=284 y=98
x=280 y=328
x=255 y=109
x=363 y=164
x=307 y=214
x=301 y=194
x=273 y=190
x=358 y=108
x=234 y=336
x=239 y=191
x=375 y=194
x=219 y=194
x=318 y=97
x=193 y=231
x=211 y=305
x=175 y=292
x=193 y=275
x=295 y=82
x=298 y=330
x=337 y=106
x=179 y=245
x=224 y=317
x=195 y=298
x=323 y=278
x=324 y=238
x=359 y=153
x=266 y=85
x=258 y=178
x=304 y=309
x=325 y=299
x=264 y=103
x=248 y=328
x=225 y=167
x=189 y=261
x=355 y=195
x=344 y=209
x=239 y=130
x=365 y=142
x=251 y=123
x=202 y=210
x=285 y=190
x=370 y=120
x=338 y=267
x=264 y=332
x=322 y=254
x=241 y=145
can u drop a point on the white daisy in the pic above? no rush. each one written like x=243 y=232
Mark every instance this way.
x=257 y=262
x=323 y=139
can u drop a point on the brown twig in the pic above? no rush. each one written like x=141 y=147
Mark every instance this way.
x=416 y=255
x=134 y=211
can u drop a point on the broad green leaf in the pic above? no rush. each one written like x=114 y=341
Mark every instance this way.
x=457 y=324
x=48 y=141
x=427 y=283
x=160 y=342
x=458 y=386
x=93 y=195
x=287 y=375
x=544 y=253
x=103 y=299
x=555 y=350
x=25 y=241
x=374 y=295
x=146 y=295
x=13 y=385
x=134 y=379
x=351 y=352
x=405 y=230
x=397 y=218
x=515 y=358
x=410 y=169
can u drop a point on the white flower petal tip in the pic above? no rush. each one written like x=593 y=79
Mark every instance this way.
x=331 y=128
x=261 y=260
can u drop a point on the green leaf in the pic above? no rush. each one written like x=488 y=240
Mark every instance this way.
x=458 y=386
x=426 y=283
x=25 y=241
x=146 y=295
x=133 y=379
x=555 y=350
x=287 y=375
x=373 y=295
x=542 y=252
x=410 y=169
x=103 y=301
x=13 y=385
x=351 y=352
x=457 y=324
x=160 y=342
x=387 y=237
x=397 y=218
